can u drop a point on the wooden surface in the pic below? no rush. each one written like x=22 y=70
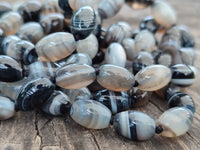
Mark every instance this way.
x=35 y=131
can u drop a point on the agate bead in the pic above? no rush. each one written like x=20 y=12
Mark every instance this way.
x=134 y=125
x=148 y=23
x=90 y=114
x=129 y=47
x=79 y=58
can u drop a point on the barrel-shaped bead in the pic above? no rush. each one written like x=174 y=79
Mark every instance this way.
x=75 y=76
x=55 y=46
x=115 y=101
x=153 y=77
x=175 y=121
x=129 y=47
x=115 y=78
x=90 y=114
x=134 y=125
x=79 y=58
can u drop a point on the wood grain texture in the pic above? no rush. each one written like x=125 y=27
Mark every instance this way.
x=36 y=131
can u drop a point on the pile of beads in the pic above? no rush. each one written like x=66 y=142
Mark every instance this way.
x=53 y=54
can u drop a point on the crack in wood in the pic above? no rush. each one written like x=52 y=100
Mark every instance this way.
x=37 y=130
x=196 y=140
x=95 y=140
x=159 y=108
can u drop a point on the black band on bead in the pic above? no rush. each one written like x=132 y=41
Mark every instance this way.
x=136 y=84
x=65 y=108
x=159 y=129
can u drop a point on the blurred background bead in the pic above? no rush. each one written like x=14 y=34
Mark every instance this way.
x=115 y=55
x=52 y=23
x=115 y=78
x=126 y=27
x=79 y=58
x=10 y=22
x=57 y=104
x=145 y=58
x=153 y=77
x=10 y=69
x=7 y=107
x=90 y=114
x=129 y=47
x=162 y=58
x=60 y=46
x=115 y=101
x=51 y=6
x=76 y=4
x=5 y=7
x=25 y=33
x=99 y=57
x=65 y=6
x=175 y=121
x=148 y=23
x=188 y=55
x=134 y=125
x=75 y=76
x=83 y=22
x=182 y=75
x=139 y=4
x=180 y=99
x=137 y=66
x=144 y=40
x=30 y=10
x=109 y=8
x=163 y=13
x=88 y=45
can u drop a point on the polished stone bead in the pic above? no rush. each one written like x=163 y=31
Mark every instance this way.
x=4 y=7
x=115 y=101
x=76 y=4
x=90 y=114
x=60 y=46
x=57 y=104
x=75 y=76
x=88 y=45
x=180 y=99
x=144 y=40
x=109 y=8
x=148 y=23
x=115 y=55
x=182 y=75
x=175 y=121
x=79 y=58
x=139 y=4
x=145 y=58
x=7 y=107
x=134 y=125
x=162 y=58
x=126 y=27
x=78 y=94
x=129 y=47
x=163 y=13
x=115 y=78
x=188 y=55
x=153 y=77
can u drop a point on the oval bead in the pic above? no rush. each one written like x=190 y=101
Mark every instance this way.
x=7 y=108
x=163 y=13
x=90 y=114
x=115 y=78
x=126 y=27
x=129 y=47
x=175 y=121
x=134 y=125
x=144 y=40
x=83 y=22
x=79 y=58
x=188 y=55
x=55 y=46
x=88 y=45
x=153 y=77
x=182 y=75
x=115 y=55
x=75 y=76
x=109 y=8
x=180 y=99
x=145 y=58
x=115 y=101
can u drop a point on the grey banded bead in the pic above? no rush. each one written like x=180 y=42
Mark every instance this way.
x=175 y=121
x=180 y=99
x=115 y=101
x=115 y=55
x=134 y=125
x=163 y=13
x=90 y=114
x=153 y=77
x=109 y=8
x=55 y=46
x=88 y=45
x=56 y=103
x=115 y=78
x=126 y=27
x=7 y=107
x=79 y=58
x=182 y=75
x=75 y=76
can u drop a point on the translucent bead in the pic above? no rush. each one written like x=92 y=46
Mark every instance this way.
x=79 y=58
x=115 y=55
x=153 y=77
x=115 y=78
x=134 y=125
x=129 y=47
x=163 y=13
x=7 y=108
x=175 y=121
x=90 y=114
x=75 y=76
x=180 y=99
x=115 y=101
